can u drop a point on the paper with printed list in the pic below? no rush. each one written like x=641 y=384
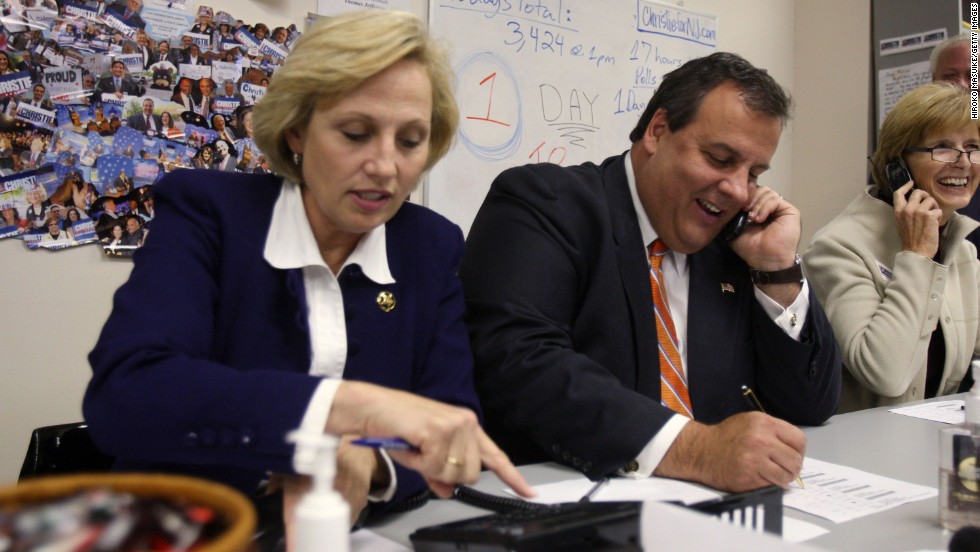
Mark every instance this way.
x=947 y=412
x=840 y=493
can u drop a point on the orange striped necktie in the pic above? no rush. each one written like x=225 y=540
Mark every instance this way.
x=673 y=387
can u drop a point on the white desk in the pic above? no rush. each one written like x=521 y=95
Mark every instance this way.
x=875 y=441
x=892 y=445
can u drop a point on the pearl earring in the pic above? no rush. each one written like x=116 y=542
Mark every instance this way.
x=297 y=159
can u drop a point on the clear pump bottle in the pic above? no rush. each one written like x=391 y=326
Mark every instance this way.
x=959 y=467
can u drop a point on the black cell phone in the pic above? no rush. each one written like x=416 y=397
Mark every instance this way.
x=736 y=226
x=898 y=175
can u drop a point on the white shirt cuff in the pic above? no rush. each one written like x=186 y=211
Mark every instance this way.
x=315 y=421
x=652 y=454
x=791 y=318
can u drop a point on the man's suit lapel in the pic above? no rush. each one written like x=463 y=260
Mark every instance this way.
x=717 y=287
x=634 y=276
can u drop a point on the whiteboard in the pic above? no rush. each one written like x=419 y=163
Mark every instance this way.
x=557 y=81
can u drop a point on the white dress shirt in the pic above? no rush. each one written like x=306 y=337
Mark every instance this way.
x=677 y=281
x=289 y=245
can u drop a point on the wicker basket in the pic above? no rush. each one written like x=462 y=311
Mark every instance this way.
x=235 y=507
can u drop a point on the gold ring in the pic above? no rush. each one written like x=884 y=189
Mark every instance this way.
x=454 y=461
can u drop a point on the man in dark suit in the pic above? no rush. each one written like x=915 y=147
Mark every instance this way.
x=558 y=286
x=193 y=56
x=121 y=185
x=144 y=49
x=38 y=98
x=128 y=11
x=231 y=92
x=165 y=53
x=146 y=121
x=117 y=83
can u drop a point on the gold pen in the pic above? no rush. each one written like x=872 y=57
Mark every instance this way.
x=747 y=393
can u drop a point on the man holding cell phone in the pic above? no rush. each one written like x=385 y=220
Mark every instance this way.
x=613 y=324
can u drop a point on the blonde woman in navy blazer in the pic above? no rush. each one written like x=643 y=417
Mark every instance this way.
x=209 y=357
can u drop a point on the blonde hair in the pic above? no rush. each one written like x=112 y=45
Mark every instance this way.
x=333 y=58
x=929 y=109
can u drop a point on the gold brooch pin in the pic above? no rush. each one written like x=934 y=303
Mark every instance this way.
x=727 y=288
x=386 y=301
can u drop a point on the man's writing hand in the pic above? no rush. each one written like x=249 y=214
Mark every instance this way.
x=746 y=451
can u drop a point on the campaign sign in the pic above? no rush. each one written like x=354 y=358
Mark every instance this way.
x=225 y=70
x=246 y=38
x=224 y=105
x=32 y=239
x=113 y=20
x=63 y=83
x=273 y=50
x=99 y=45
x=77 y=10
x=134 y=62
x=19 y=181
x=42 y=18
x=35 y=115
x=252 y=92
x=196 y=72
x=84 y=230
x=202 y=40
x=9 y=231
x=109 y=98
x=15 y=84
x=73 y=58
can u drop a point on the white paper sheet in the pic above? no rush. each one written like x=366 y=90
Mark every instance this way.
x=840 y=493
x=947 y=412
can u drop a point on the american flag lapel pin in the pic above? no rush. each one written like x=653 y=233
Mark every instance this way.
x=727 y=288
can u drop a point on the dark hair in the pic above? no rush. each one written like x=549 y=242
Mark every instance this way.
x=66 y=223
x=682 y=90
x=12 y=208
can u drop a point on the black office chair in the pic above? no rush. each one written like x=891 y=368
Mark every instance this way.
x=63 y=449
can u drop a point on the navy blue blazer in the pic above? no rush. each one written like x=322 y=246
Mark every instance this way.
x=202 y=367
x=561 y=322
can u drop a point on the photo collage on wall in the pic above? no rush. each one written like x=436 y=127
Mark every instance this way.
x=99 y=100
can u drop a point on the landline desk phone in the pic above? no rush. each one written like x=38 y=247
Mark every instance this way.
x=519 y=525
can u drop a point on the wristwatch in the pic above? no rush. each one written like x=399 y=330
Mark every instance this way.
x=791 y=275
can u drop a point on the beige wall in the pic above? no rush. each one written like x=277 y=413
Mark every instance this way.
x=53 y=304
x=831 y=86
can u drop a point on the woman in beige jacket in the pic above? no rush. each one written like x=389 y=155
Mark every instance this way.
x=893 y=270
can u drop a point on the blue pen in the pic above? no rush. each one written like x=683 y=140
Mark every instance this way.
x=390 y=443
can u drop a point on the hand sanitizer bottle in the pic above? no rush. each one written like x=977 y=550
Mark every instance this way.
x=322 y=516
x=959 y=468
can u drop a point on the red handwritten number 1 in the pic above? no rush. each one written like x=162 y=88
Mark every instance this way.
x=491 y=78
